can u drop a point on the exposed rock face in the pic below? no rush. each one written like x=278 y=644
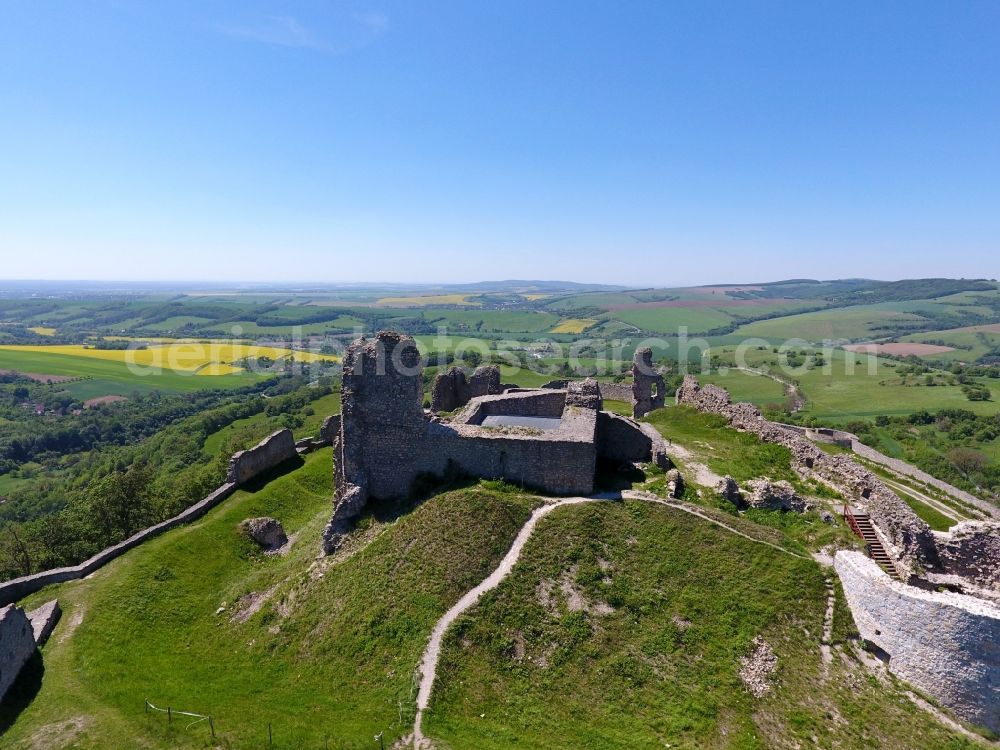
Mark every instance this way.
x=266 y=531
x=648 y=387
x=780 y=495
x=972 y=550
x=268 y=453
x=675 y=484
x=17 y=645
x=729 y=490
x=943 y=643
x=452 y=390
x=910 y=538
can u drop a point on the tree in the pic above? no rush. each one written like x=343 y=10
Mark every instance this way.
x=120 y=504
x=967 y=460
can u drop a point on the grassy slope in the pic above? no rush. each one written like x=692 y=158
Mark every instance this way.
x=661 y=669
x=325 y=655
x=639 y=676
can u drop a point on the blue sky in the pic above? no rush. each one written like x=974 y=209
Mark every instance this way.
x=642 y=143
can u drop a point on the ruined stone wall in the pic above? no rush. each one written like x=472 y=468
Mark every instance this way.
x=551 y=464
x=545 y=403
x=945 y=644
x=273 y=450
x=620 y=439
x=330 y=429
x=382 y=417
x=17 y=645
x=972 y=550
x=386 y=441
x=648 y=387
x=909 y=538
x=616 y=392
x=452 y=390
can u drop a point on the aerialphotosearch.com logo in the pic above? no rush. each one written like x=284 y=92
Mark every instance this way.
x=545 y=356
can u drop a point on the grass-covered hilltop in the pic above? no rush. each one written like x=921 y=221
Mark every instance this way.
x=692 y=607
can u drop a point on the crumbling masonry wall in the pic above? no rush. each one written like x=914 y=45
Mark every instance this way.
x=452 y=390
x=17 y=645
x=270 y=452
x=945 y=644
x=648 y=387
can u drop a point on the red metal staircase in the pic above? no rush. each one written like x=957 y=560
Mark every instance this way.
x=861 y=524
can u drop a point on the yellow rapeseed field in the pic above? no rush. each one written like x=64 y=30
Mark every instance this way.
x=43 y=331
x=201 y=357
x=573 y=325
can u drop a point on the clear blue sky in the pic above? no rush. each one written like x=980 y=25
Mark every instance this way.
x=645 y=143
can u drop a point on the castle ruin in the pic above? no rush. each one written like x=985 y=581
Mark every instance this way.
x=547 y=439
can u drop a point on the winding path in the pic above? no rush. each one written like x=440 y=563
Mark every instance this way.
x=432 y=653
x=429 y=662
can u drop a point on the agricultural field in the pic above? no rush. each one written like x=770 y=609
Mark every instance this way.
x=847 y=323
x=843 y=391
x=574 y=325
x=431 y=300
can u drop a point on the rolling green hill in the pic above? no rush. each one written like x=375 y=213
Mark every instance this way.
x=623 y=625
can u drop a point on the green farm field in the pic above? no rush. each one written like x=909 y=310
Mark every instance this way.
x=105 y=377
x=840 y=395
x=852 y=323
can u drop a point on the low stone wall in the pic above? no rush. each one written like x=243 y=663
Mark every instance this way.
x=17 y=588
x=945 y=644
x=616 y=392
x=273 y=454
x=273 y=450
x=17 y=645
x=620 y=439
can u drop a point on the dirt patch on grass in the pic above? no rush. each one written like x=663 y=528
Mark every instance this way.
x=60 y=733
x=250 y=604
x=40 y=377
x=900 y=349
x=74 y=622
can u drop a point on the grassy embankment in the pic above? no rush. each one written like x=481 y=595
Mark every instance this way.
x=331 y=652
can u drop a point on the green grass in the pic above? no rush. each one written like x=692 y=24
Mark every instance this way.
x=934 y=518
x=745 y=386
x=661 y=667
x=739 y=454
x=332 y=652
